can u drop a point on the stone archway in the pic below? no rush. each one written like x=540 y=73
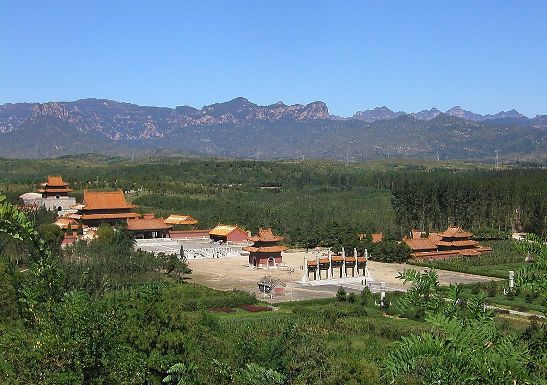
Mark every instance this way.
x=271 y=262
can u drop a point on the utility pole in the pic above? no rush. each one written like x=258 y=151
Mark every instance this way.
x=347 y=156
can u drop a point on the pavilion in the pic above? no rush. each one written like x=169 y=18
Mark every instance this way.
x=148 y=227
x=54 y=193
x=105 y=207
x=265 y=251
x=228 y=233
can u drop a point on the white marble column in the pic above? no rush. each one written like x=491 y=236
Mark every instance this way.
x=305 y=277
x=366 y=264
x=356 y=266
x=329 y=273
x=343 y=263
x=317 y=268
x=511 y=279
x=382 y=293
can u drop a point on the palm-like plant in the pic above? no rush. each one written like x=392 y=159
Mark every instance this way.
x=181 y=374
x=423 y=296
x=459 y=354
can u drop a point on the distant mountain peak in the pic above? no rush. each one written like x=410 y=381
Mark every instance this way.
x=240 y=128
x=377 y=113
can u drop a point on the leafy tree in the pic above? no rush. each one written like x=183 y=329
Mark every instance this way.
x=43 y=283
x=460 y=354
x=472 y=308
x=181 y=374
x=390 y=251
x=53 y=236
x=423 y=296
x=341 y=294
x=534 y=275
x=254 y=374
x=8 y=294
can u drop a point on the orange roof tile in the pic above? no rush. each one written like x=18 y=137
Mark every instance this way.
x=266 y=249
x=223 y=230
x=463 y=243
x=55 y=181
x=105 y=200
x=455 y=232
x=63 y=223
x=109 y=216
x=420 y=244
x=265 y=235
x=139 y=224
x=176 y=219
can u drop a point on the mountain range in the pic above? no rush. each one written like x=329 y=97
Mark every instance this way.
x=240 y=128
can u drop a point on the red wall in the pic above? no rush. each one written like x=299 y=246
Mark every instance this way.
x=237 y=236
x=262 y=259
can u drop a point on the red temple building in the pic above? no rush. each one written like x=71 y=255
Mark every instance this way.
x=105 y=207
x=148 y=227
x=228 y=233
x=265 y=251
x=453 y=242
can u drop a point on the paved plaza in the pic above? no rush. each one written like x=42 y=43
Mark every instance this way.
x=234 y=273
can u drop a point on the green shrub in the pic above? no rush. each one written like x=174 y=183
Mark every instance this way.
x=341 y=294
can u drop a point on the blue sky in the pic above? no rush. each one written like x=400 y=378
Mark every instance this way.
x=486 y=56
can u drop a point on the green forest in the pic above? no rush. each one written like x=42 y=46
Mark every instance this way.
x=83 y=315
x=311 y=202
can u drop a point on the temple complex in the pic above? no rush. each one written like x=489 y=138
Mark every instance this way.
x=453 y=242
x=265 y=251
x=105 y=207
x=148 y=227
x=228 y=233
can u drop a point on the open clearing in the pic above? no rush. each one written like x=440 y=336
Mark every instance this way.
x=233 y=273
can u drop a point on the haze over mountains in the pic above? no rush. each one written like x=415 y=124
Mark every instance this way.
x=240 y=128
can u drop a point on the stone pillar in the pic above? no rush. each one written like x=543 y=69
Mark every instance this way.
x=305 y=277
x=366 y=264
x=511 y=279
x=329 y=273
x=356 y=266
x=343 y=263
x=382 y=293
x=317 y=268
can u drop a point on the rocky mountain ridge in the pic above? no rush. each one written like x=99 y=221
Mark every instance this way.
x=117 y=120
x=240 y=128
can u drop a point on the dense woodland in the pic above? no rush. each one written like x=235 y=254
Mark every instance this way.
x=311 y=202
